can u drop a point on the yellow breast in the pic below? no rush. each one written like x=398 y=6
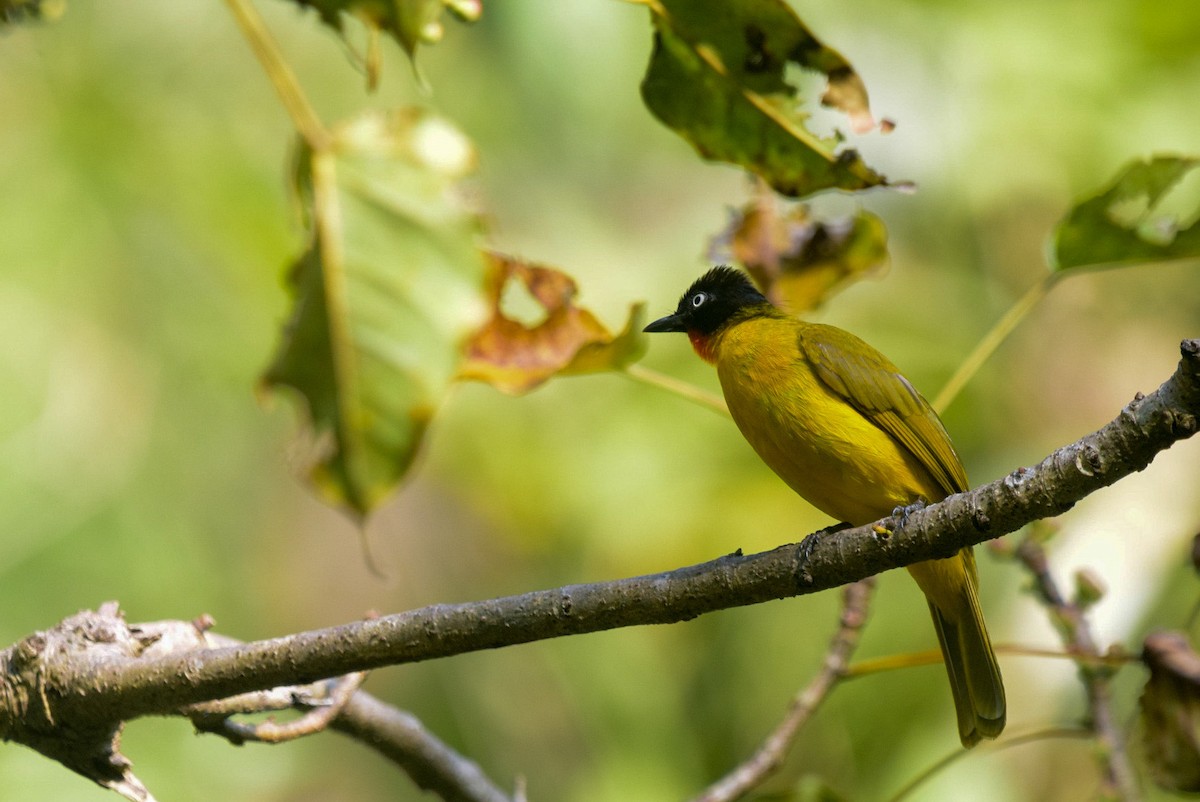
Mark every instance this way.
x=819 y=444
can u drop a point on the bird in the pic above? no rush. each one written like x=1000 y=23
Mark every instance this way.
x=841 y=426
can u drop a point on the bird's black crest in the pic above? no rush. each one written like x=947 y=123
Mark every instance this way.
x=726 y=282
x=716 y=297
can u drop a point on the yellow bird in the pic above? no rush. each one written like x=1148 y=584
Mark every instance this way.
x=839 y=424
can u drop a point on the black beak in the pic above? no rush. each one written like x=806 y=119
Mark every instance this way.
x=668 y=323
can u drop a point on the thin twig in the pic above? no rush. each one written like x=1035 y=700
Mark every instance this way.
x=992 y=340
x=691 y=392
x=771 y=753
x=995 y=746
x=315 y=720
x=930 y=657
x=430 y=763
x=891 y=662
x=1119 y=779
x=279 y=72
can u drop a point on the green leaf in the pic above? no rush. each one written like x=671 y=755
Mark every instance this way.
x=384 y=297
x=1124 y=224
x=717 y=77
x=409 y=22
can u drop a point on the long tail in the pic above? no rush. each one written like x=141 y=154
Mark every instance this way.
x=950 y=586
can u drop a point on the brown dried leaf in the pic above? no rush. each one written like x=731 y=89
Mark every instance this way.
x=516 y=357
x=1171 y=711
x=798 y=260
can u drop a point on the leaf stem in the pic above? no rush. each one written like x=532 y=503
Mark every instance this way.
x=891 y=662
x=770 y=755
x=991 y=341
x=690 y=392
x=280 y=74
x=958 y=754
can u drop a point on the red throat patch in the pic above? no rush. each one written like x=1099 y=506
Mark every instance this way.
x=703 y=345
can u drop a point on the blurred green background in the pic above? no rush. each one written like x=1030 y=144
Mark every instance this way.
x=144 y=233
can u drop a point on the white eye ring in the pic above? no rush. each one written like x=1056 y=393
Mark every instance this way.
x=698 y=299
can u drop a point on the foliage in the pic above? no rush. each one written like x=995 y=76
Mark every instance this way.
x=717 y=76
x=409 y=22
x=799 y=260
x=516 y=356
x=388 y=243
x=1122 y=223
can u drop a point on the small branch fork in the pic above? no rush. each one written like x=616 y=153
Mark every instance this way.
x=90 y=745
x=771 y=753
x=324 y=702
x=1119 y=781
x=67 y=692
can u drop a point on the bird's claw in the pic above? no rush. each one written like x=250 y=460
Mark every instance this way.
x=900 y=514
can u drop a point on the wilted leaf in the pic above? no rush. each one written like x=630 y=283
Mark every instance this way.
x=798 y=260
x=1123 y=224
x=384 y=296
x=516 y=357
x=1171 y=711
x=718 y=77
x=409 y=22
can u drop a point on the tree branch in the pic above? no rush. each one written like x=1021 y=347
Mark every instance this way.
x=90 y=745
x=1146 y=426
x=1119 y=781
x=770 y=755
x=71 y=682
x=429 y=762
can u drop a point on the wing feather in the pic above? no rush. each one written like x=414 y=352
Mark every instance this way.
x=875 y=387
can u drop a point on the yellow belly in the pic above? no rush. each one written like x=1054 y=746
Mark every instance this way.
x=819 y=444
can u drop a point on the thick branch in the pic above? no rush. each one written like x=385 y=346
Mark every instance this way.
x=89 y=744
x=1146 y=426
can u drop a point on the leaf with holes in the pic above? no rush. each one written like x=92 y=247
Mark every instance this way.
x=718 y=76
x=383 y=297
x=1127 y=224
x=516 y=356
x=798 y=260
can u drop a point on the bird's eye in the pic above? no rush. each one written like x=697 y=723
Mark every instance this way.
x=698 y=299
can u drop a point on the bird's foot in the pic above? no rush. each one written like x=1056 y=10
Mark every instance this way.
x=900 y=515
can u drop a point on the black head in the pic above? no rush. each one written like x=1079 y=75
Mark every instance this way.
x=711 y=301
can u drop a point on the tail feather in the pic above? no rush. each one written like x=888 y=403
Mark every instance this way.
x=975 y=681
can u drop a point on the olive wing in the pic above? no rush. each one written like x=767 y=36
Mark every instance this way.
x=874 y=386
